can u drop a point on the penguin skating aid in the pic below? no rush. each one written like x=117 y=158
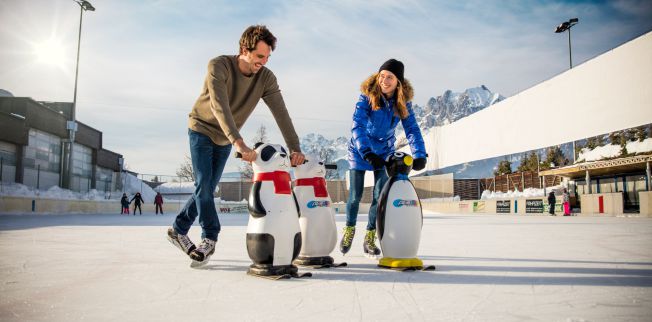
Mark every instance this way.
x=273 y=234
x=316 y=215
x=400 y=218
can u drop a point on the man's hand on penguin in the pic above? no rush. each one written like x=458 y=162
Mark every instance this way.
x=297 y=158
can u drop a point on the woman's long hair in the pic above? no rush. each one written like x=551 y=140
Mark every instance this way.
x=404 y=94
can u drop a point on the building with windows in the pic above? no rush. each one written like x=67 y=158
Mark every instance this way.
x=31 y=147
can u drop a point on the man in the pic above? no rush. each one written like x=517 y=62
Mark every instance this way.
x=233 y=87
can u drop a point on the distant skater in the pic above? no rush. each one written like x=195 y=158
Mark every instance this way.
x=138 y=199
x=567 y=211
x=124 y=202
x=551 y=201
x=158 y=203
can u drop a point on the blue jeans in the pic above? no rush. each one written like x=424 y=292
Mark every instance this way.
x=208 y=160
x=356 y=187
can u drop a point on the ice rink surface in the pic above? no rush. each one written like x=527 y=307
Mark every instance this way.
x=109 y=267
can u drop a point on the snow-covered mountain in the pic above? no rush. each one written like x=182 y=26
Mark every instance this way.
x=451 y=106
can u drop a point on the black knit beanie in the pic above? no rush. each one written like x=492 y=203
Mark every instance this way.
x=394 y=66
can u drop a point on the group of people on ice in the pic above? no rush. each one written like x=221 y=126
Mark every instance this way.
x=232 y=88
x=552 y=200
x=138 y=201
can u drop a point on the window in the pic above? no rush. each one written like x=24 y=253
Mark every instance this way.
x=43 y=150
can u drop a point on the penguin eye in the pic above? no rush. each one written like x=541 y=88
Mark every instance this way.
x=398 y=154
x=267 y=153
x=321 y=163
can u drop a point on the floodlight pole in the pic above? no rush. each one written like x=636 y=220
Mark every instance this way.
x=71 y=125
x=566 y=26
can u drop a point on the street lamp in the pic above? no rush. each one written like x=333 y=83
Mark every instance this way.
x=567 y=25
x=72 y=124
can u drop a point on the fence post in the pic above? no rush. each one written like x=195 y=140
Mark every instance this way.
x=38 y=177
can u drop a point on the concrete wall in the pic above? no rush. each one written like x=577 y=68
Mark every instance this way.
x=624 y=74
x=612 y=203
x=645 y=199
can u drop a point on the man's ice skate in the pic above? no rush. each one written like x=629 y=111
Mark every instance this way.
x=202 y=254
x=347 y=239
x=180 y=241
x=369 y=246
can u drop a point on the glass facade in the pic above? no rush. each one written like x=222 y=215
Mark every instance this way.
x=43 y=150
x=104 y=178
x=82 y=168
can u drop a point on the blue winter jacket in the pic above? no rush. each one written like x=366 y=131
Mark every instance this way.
x=373 y=131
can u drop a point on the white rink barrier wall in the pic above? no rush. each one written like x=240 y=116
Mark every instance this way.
x=14 y=205
x=611 y=206
x=608 y=93
x=599 y=204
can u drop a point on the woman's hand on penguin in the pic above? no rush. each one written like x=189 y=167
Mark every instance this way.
x=419 y=164
x=376 y=161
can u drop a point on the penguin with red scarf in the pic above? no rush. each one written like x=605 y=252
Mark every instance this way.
x=273 y=234
x=316 y=214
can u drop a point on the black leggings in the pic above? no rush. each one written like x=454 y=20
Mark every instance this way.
x=139 y=209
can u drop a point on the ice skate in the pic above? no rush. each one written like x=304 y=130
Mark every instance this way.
x=180 y=241
x=347 y=239
x=202 y=254
x=369 y=246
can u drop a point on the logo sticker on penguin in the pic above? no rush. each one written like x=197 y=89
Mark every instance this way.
x=398 y=203
x=315 y=203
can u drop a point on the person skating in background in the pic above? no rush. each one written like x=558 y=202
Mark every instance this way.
x=232 y=89
x=385 y=100
x=158 y=203
x=124 y=203
x=566 y=196
x=138 y=200
x=551 y=202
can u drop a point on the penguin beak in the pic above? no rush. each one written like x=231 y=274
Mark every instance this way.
x=408 y=160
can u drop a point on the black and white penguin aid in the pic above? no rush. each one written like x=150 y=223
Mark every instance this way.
x=400 y=218
x=316 y=214
x=273 y=234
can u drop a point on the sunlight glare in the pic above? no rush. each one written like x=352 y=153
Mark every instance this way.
x=50 y=52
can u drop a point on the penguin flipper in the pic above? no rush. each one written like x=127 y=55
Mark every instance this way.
x=254 y=205
x=296 y=203
x=382 y=207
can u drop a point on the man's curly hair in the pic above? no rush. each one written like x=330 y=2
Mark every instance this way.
x=252 y=35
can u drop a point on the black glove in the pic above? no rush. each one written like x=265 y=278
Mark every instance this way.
x=376 y=161
x=419 y=164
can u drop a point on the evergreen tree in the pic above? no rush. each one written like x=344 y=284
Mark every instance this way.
x=554 y=158
x=504 y=167
x=641 y=135
x=529 y=163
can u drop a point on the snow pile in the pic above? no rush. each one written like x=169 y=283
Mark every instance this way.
x=21 y=190
x=612 y=151
x=527 y=193
x=132 y=185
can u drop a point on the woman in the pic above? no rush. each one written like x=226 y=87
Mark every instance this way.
x=385 y=100
x=567 y=211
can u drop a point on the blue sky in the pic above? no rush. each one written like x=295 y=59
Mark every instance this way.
x=143 y=62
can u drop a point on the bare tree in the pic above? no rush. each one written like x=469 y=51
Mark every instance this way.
x=185 y=170
x=246 y=171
